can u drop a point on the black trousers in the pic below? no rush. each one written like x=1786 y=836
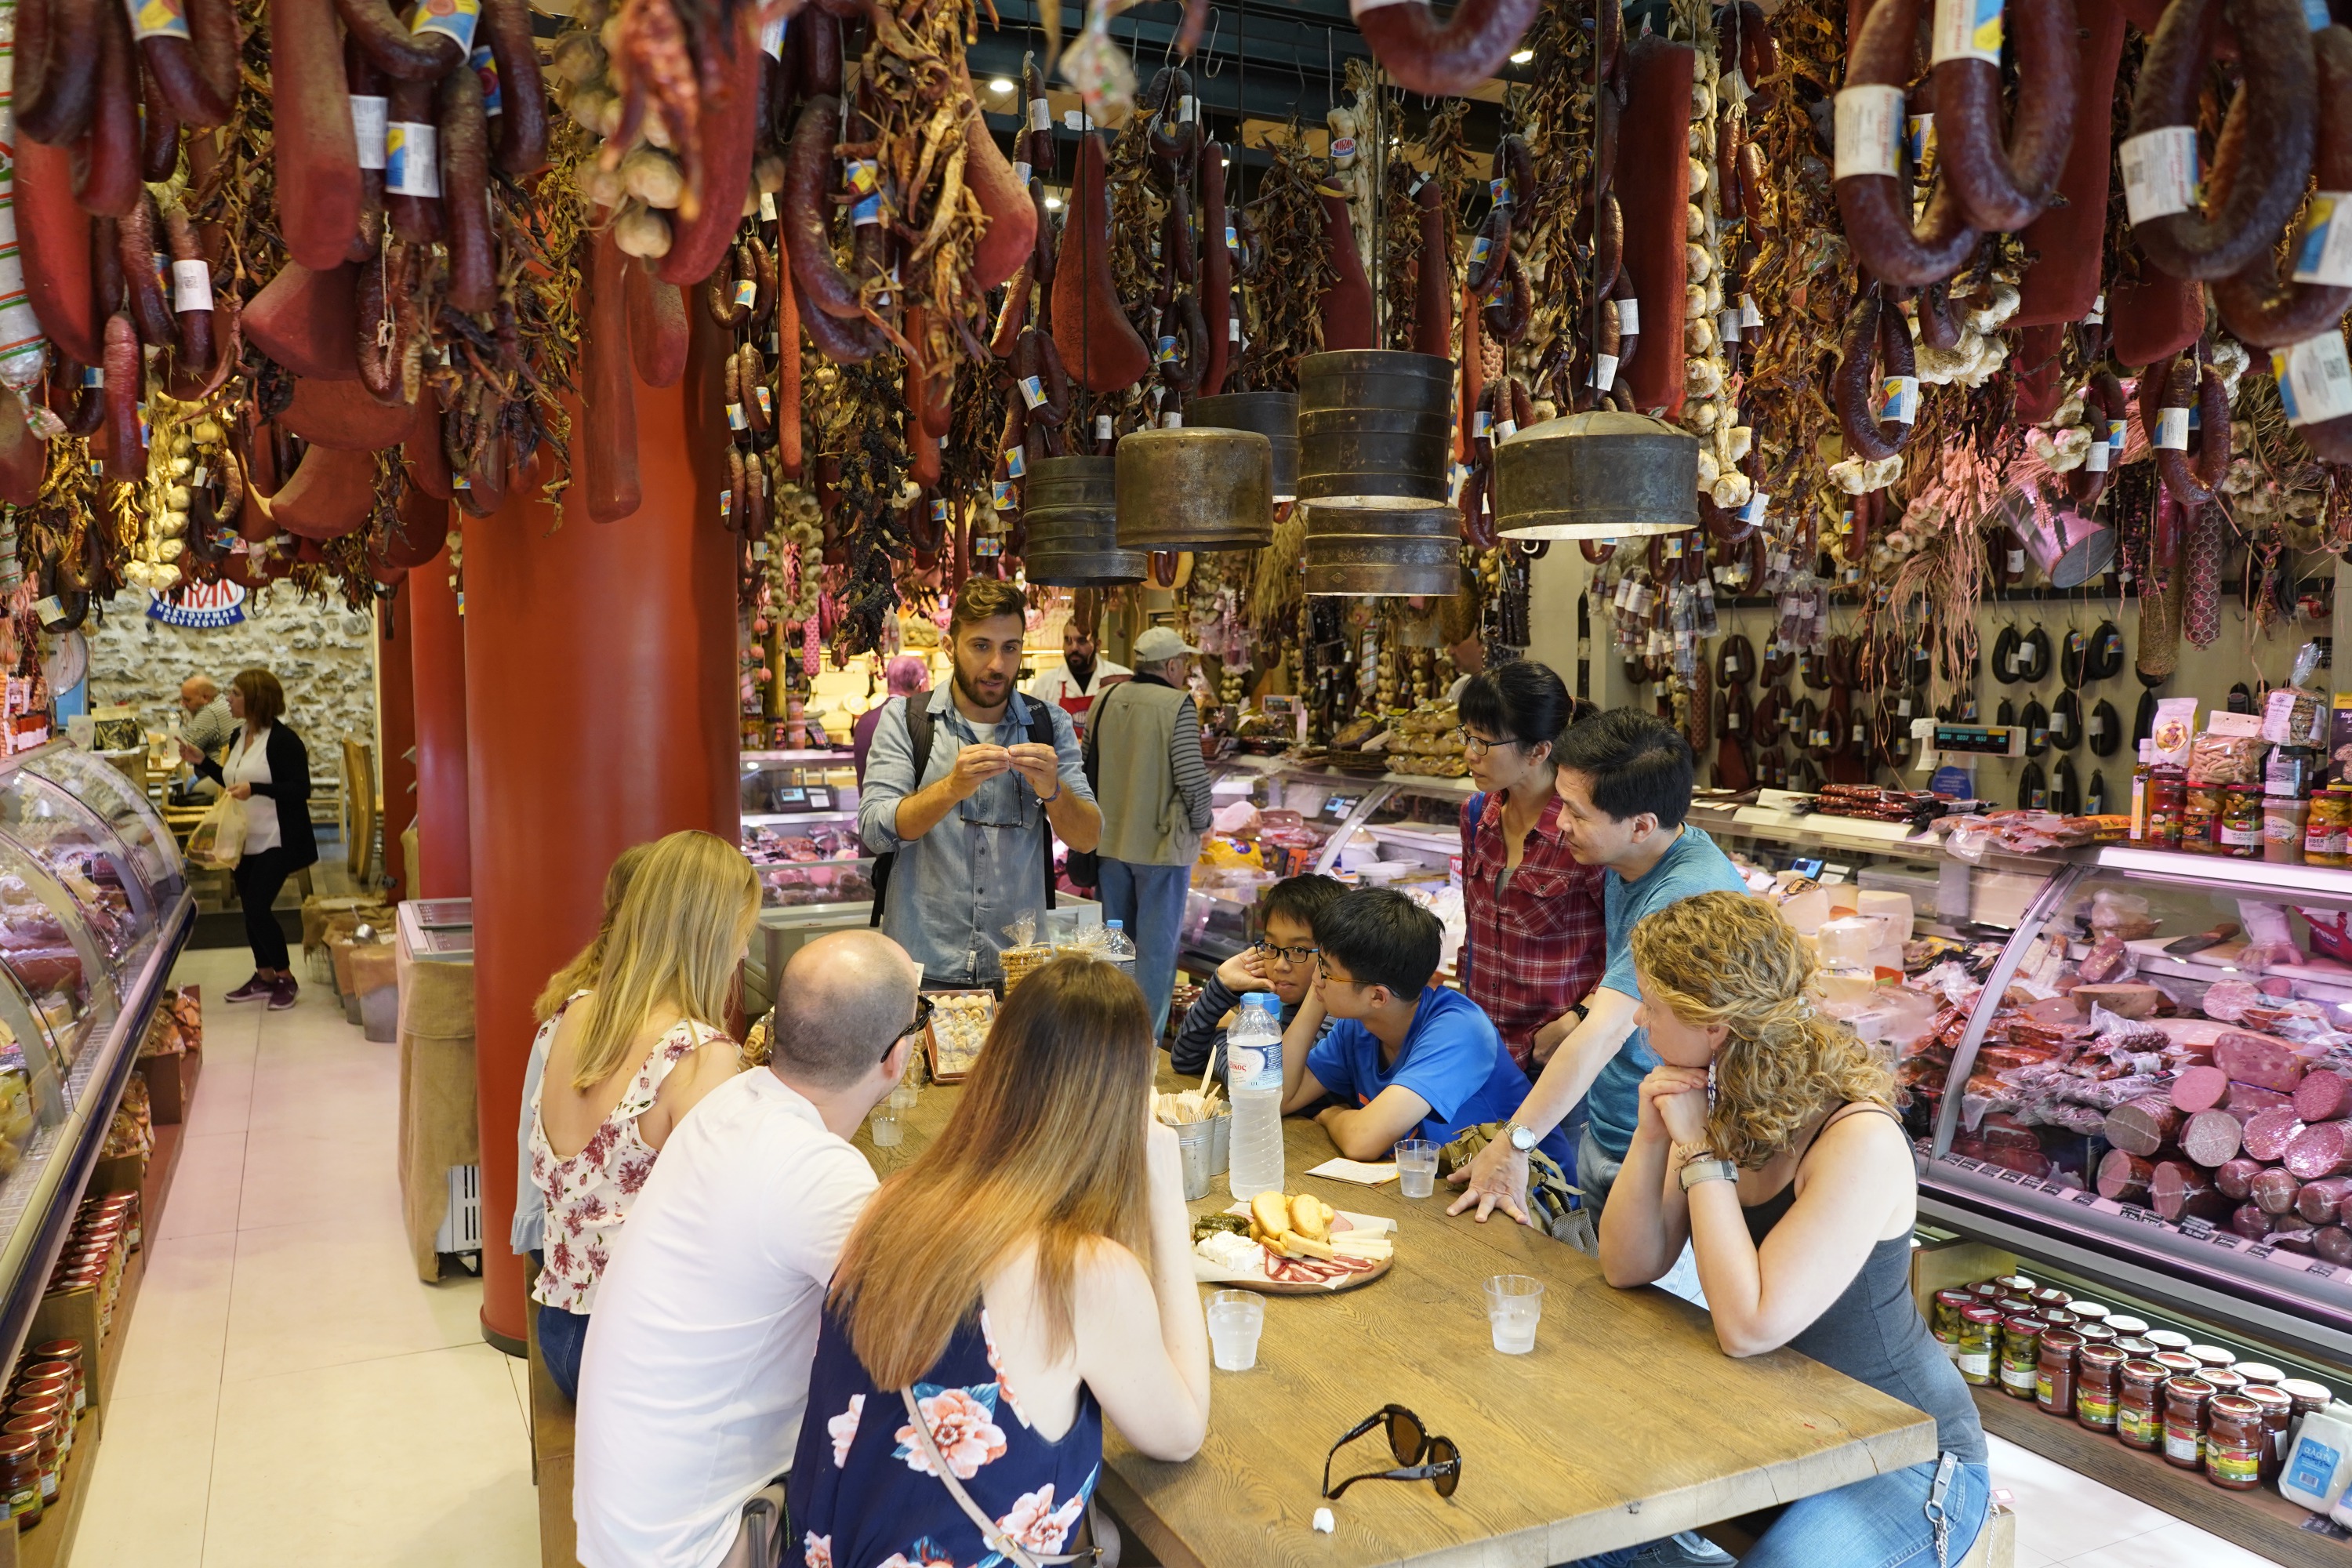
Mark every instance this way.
x=258 y=877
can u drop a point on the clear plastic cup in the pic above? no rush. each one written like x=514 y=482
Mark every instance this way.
x=1514 y=1307
x=1416 y=1160
x=1236 y=1317
x=889 y=1131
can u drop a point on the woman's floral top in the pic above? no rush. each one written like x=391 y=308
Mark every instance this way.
x=588 y=1196
x=863 y=1491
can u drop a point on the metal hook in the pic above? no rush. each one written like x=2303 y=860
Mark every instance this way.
x=1206 y=53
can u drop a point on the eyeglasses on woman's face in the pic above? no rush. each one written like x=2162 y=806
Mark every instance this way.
x=1284 y=956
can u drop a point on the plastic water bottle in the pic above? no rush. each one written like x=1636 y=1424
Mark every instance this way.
x=1254 y=1081
x=1118 y=947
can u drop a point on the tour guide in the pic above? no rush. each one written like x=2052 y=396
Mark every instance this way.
x=961 y=790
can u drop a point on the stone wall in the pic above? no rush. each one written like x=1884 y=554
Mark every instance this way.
x=323 y=654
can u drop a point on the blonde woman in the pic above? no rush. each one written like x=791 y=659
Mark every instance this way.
x=1793 y=1182
x=629 y=1059
x=566 y=985
x=1029 y=1275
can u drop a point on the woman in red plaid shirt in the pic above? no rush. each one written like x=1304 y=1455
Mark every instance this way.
x=1536 y=945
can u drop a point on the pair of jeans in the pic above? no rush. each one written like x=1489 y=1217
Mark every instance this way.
x=1878 y=1524
x=1149 y=900
x=258 y=877
x=561 y=1334
x=1596 y=1173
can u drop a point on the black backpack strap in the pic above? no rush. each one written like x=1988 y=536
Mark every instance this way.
x=1040 y=734
x=918 y=737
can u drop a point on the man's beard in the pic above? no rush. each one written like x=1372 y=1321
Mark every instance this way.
x=969 y=688
x=1081 y=670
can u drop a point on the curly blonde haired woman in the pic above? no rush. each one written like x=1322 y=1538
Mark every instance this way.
x=1793 y=1182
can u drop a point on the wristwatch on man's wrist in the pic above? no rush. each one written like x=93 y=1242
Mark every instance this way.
x=1521 y=1138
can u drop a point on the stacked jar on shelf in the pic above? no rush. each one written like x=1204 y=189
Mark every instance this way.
x=2151 y=1388
x=2240 y=796
x=106 y=1232
x=47 y=1395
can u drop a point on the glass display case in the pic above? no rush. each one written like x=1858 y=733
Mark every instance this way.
x=800 y=829
x=93 y=913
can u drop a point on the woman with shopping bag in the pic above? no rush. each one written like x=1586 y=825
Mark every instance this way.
x=268 y=770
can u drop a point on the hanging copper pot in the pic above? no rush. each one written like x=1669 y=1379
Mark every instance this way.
x=1272 y=414
x=1071 y=511
x=1195 y=489
x=1600 y=475
x=1375 y=428
x=1383 y=549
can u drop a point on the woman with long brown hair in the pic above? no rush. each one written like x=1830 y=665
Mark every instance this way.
x=1768 y=1138
x=268 y=767
x=1029 y=1275
x=629 y=1059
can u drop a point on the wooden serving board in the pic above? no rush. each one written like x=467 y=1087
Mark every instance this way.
x=1265 y=1287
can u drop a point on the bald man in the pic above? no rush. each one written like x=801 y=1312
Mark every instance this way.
x=696 y=1372
x=205 y=724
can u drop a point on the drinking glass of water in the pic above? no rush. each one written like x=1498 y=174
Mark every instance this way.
x=1514 y=1307
x=1416 y=1161
x=1236 y=1317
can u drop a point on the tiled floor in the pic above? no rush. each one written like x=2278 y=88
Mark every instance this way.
x=290 y=1394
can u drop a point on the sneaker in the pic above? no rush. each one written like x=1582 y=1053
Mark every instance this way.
x=282 y=993
x=253 y=990
x=1687 y=1550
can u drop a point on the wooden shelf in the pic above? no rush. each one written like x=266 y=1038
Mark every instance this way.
x=2260 y=1521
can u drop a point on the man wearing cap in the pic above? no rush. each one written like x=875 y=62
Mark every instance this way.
x=1144 y=737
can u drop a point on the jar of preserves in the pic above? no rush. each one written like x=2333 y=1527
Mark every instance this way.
x=2054 y=1375
x=2185 y=1402
x=2135 y=1348
x=2235 y=1442
x=2168 y=802
x=2307 y=1395
x=2278 y=1415
x=2260 y=1372
x=2021 y=1356
x=20 y=1478
x=2286 y=820
x=2047 y=1300
x=2098 y=1333
x=2097 y=1373
x=2165 y=1339
x=68 y=1353
x=2224 y=1380
x=2177 y=1364
x=2213 y=1355
x=2122 y=1322
x=2014 y=1307
x=2140 y=1408
x=2016 y=1285
x=48 y=1407
x=2056 y=1317
x=1950 y=1305
x=1987 y=1292
x=2241 y=834
x=22 y=1427
x=2325 y=831
x=1980 y=1341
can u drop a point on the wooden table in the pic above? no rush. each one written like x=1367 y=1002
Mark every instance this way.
x=1627 y=1423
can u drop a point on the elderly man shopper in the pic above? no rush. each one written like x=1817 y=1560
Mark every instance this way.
x=697 y=1369
x=1144 y=736
x=966 y=789
x=205 y=724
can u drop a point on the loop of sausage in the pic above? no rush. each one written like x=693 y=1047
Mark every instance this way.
x=195 y=77
x=1447 y=59
x=2005 y=188
x=465 y=141
x=808 y=237
x=108 y=182
x=159 y=135
x=2191 y=481
x=1508 y=310
x=2259 y=310
x=135 y=238
x=841 y=342
x=522 y=97
x=126 y=459
x=2105 y=394
x=752 y=376
x=1867 y=328
x=723 y=296
x=415 y=219
x=57 y=67
x=2264 y=154
x=195 y=321
x=400 y=53
x=1876 y=208
x=80 y=403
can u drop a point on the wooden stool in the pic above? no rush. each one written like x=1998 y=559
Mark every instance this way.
x=551 y=1459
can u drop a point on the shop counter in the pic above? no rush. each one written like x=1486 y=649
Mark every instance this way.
x=1627 y=1423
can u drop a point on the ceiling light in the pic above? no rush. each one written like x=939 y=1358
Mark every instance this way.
x=1001 y=84
x=1523 y=56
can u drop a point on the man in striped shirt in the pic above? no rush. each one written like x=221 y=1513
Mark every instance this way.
x=1154 y=788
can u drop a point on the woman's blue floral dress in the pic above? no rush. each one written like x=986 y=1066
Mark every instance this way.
x=863 y=1494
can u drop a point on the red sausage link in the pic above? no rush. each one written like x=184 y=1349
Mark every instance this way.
x=82 y=406
x=609 y=397
x=201 y=97
x=1877 y=207
x=159 y=135
x=466 y=194
x=134 y=239
x=377 y=351
x=2005 y=188
x=365 y=81
x=57 y=67
x=398 y=53
x=1432 y=313
x=1866 y=438
x=658 y=330
x=196 y=355
x=841 y=342
x=416 y=219
x=126 y=459
x=315 y=150
x=808 y=234
x=109 y=181
x=2264 y=154
x=728 y=128
x=2260 y=310
x=522 y=97
x=53 y=234
x=1347 y=304
x=1442 y=59
x=1216 y=272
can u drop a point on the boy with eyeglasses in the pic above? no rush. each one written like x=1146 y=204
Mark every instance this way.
x=1282 y=962
x=1405 y=1059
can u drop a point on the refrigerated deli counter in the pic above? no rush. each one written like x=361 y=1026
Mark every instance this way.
x=94 y=910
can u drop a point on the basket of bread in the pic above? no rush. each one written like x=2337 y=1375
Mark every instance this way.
x=1288 y=1244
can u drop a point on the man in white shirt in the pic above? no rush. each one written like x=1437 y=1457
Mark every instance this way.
x=1083 y=675
x=695 y=1376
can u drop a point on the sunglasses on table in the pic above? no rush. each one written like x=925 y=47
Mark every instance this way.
x=923 y=1009
x=1419 y=1457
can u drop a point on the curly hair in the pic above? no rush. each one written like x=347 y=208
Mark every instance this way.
x=1725 y=958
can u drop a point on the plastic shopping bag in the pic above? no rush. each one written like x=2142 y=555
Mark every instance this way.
x=217 y=842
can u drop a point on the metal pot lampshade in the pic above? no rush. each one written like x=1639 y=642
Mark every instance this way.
x=1388 y=549
x=1272 y=414
x=1600 y=474
x=1195 y=489
x=2070 y=548
x=1072 y=511
x=1375 y=428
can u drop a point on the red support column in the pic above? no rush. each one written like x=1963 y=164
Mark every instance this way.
x=396 y=735
x=599 y=702
x=436 y=652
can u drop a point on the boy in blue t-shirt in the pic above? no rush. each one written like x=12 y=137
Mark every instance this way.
x=1408 y=1059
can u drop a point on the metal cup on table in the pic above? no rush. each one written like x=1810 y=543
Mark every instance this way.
x=1221 y=1140
x=1194 y=1142
x=1514 y=1307
x=1416 y=1163
x=1236 y=1317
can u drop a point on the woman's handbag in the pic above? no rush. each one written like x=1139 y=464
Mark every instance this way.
x=218 y=841
x=1103 y=1554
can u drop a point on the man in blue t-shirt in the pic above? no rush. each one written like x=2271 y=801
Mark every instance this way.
x=1406 y=1058
x=1624 y=786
